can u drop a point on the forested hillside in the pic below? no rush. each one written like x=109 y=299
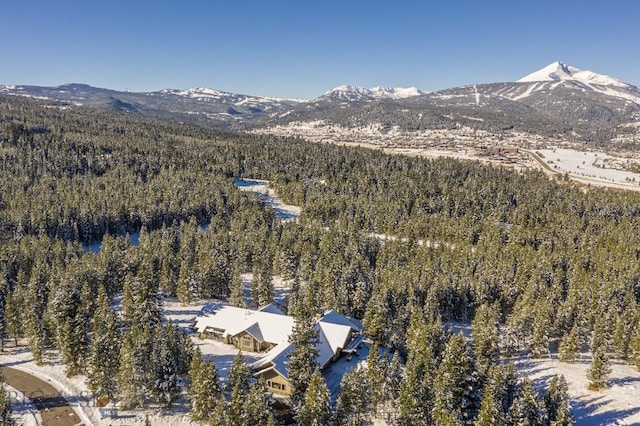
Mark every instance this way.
x=403 y=243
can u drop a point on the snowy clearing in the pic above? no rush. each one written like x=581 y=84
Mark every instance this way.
x=619 y=404
x=283 y=211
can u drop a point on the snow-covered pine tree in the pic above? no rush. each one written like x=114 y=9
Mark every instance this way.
x=393 y=378
x=599 y=370
x=256 y=409
x=236 y=298
x=315 y=410
x=239 y=375
x=490 y=413
x=353 y=406
x=104 y=351
x=556 y=402
x=526 y=408
x=456 y=386
x=35 y=303
x=569 y=348
x=135 y=374
x=376 y=374
x=166 y=388
x=415 y=398
x=262 y=285
x=220 y=414
x=204 y=388
x=303 y=359
x=12 y=314
x=484 y=336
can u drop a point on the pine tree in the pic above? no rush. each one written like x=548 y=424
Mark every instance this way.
x=135 y=374
x=315 y=411
x=569 y=348
x=303 y=358
x=393 y=378
x=456 y=385
x=256 y=409
x=376 y=375
x=5 y=406
x=236 y=298
x=204 y=389
x=556 y=401
x=35 y=303
x=490 y=413
x=353 y=405
x=13 y=306
x=540 y=332
x=220 y=414
x=599 y=371
x=239 y=375
x=526 y=408
x=416 y=393
x=634 y=346
x=262 y=286
x=485 y=337
x=104 y=352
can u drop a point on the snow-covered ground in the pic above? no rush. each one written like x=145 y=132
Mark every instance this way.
x=24 y=412
x=619 y=404
x=580 y=166
x=283 y=211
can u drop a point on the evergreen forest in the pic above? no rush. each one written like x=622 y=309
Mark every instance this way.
x=406 y=244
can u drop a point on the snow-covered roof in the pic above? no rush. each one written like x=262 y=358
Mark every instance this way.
x=220 y=317
x=276 y=359
x=267 y=325
x=271 y=308
x=270 y=324
x=334 y=332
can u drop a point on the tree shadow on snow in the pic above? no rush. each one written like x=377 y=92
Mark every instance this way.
x=585 y=412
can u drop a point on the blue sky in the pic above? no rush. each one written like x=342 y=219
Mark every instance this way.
x=303 y=48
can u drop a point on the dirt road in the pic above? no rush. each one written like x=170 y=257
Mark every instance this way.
x=54 y=409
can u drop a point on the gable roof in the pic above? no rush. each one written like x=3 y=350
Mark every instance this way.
x=276 y=359
x=267 y=325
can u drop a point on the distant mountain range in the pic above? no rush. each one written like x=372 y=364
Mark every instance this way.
x=557 y=101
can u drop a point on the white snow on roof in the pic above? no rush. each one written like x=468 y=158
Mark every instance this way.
x=270 y=325
x=271 y=308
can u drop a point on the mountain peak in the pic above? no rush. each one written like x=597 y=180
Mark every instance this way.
x=553 y=72
x=558 y=71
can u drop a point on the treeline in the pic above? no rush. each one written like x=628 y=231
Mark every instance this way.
x=383 y=238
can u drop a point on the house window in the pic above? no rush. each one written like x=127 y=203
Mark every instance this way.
x=276 y=385
x=246 y=342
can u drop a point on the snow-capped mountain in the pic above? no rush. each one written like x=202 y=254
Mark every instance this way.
x=197 y=103
x=558 y=99
x=355 y=93
x=558 y=71
x=561 y=76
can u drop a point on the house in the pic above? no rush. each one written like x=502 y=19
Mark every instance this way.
x=335 y=334
x=268 y=330
x=246 y=329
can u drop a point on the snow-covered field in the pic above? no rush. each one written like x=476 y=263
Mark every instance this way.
x=580 y=166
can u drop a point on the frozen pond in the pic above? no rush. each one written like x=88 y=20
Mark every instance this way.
x=284 y=212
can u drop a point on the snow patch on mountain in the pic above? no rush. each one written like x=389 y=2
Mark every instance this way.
x=356 y=93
